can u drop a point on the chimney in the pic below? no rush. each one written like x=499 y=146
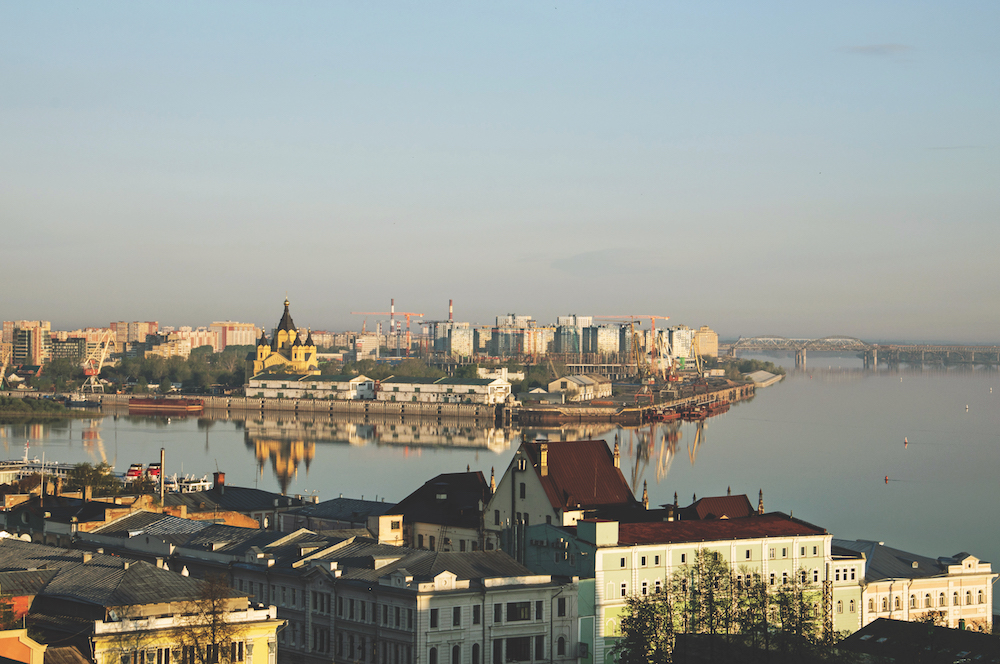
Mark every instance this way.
x=760 y=503
x=87 y=556
x=543 y=462
x=220 y=481
x=676 y=504
x=88 y=493
x=729 y=490
x=315 y=499
x=617 y=454
x=59 y=485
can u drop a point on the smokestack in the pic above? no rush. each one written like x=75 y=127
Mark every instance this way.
x=392 y=315
x=220 y=482
x=543 y=462
x=450 y=312
x=645 y=496
x=162 y=473
x=760 y=503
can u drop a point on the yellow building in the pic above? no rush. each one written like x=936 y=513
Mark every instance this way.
x=287 y=352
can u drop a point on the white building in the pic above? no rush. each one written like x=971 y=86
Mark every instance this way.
x=444 y=390
x=906 y=586
x=305 y=386
x=584 y=387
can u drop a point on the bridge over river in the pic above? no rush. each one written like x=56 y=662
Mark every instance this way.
x=892 y=354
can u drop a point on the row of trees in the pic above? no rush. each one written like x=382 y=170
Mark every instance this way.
x=723 y=617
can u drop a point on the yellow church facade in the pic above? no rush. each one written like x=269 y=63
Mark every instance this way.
x=288 y=352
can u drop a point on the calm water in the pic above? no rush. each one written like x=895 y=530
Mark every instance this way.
x=819 y=444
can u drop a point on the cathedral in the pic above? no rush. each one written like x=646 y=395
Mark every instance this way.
x=287 y=352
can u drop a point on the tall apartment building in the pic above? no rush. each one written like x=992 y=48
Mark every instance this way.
x=237 y=334
x=680 y=341
x=706 y=341
x=601 y=339
x=136 y=331
x=30 y=340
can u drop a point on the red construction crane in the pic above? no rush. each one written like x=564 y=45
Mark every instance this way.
x=392 y=320
x=654 y=346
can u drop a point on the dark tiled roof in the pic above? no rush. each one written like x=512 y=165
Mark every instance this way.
x=344 y=509
x=884 y=562
x=902 y=641
x=730 y=507
x=151 y=523
x=581 y=474
x=460 y=505
x=234 y=498
x=286 y=320
x=25 y=583
x=774 y=524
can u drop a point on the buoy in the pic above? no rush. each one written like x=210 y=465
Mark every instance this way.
x=967 y=408
x=906 y=442
x=886 y=479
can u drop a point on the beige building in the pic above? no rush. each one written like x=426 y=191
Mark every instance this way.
x=706 y=342
x=584 y=387
x=444 y=390
x=308 y=386
x=906 y=586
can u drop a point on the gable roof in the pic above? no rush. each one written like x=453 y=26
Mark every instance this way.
x=464 y=494
x=580 y=474
x=719 y=507
x=884 y=562
x=773 y=524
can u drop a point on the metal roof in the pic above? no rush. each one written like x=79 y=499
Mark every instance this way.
x=774 y=524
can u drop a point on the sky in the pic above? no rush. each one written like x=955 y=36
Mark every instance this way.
x=791 y=168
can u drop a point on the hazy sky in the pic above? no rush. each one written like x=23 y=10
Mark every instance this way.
x=794 y=168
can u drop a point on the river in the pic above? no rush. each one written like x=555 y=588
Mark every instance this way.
x=819 y=444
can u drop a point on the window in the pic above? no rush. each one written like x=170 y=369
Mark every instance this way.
x=561 y=646
x=656 y=560
x=840 y=606
x=432 y=656
x=772 y=578
x=895 y=604
x=748 y=554
x=456 y=616
x=784 y=578
x=518 y=611
x=350 y=609
x=852 y=606
x=434 y=618
x=475 y=653
x=954 y=599
x=913 y=601
x=461 y=545
x=814 y=551
x=981 y=598
x=456 y=654
x=622 y=564
x=815 y=576
x=836 y=574
x=645 y=587
x=498 y=650
x=518 y=649
x=927 y=601
x=340 y=607
x=642 y=562
x=548 y=519
x=409 y=619
x=496 y=517
x=431 y=538
x=497 y=613
x=522 y=490
x=420 y=541
x=802 y=551
x=396 y=610
x=624 y=589
x=770 y=553
x=385 y=614
x=803 y=575
x=364 y=605
x=871 y=604
x=561 y=607
x=941 y=601
x=539 y=648
x=885 y=603
x=968 y=597
x=784 y=552
x=538 y=610
x=477 y=616
x=852 y=574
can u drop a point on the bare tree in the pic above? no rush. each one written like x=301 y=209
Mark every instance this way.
x=208 y=635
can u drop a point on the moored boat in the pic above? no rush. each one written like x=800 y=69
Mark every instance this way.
x=165 y=405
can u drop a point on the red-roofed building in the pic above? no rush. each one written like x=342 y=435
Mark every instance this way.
x=555 y=482
x=620 y=559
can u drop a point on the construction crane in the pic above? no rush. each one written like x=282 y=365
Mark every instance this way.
x=5 y=353
x=654 y=346
x=392 y=320
x=94 y=361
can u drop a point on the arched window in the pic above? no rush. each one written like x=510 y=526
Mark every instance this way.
x=871 y=604
x=475 y=653
x=852 y=606
x=982 y=599
x=432 y=543
x=913 y=601
x=456 y=655
x=885 y=603
x=897 y=602
x=432 y=656
x=645 y=587
x=561 y=646
x=941 y=599
x=927 y=601
x=968 y=597
x=954 y=599
x=840 y=606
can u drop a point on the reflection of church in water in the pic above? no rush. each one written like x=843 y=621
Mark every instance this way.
x=285 y=457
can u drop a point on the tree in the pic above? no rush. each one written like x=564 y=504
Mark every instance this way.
x=165 y=385
x=100 y=478
x=647 y=630
x=209 y=635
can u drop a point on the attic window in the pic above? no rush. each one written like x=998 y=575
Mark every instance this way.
x=442 y=496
